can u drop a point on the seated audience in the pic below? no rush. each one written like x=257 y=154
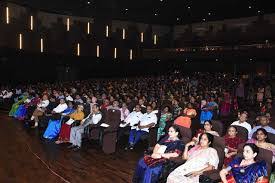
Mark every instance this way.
x=164 y=117
x=264 y=121
x=76 y=132
x=206 y=112
x=246 y=169
x=207 y=128
x=148 y=120
x=199 y=159
x=65 y=131
x=39 y=111
x=185 y=119
x=149 y=167
x=242 y=121
x=262 y=141
x=231 y=142
x=53 y=128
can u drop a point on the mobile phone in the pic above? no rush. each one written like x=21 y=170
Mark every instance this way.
x=188 y=175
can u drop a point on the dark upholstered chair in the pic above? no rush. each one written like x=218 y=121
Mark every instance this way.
x=186 y=134
x=242 y=132
x=218 y=127
x=109 y=134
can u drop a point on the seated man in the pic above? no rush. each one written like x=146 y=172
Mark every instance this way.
x=62 y=106
x=76 y=132
x=264 y=121
x=148 y=120
x=131 y=121
x=242 y=122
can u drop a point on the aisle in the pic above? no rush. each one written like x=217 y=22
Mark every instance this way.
x=18 y=164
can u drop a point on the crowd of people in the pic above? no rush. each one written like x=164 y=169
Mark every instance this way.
x=169 y=103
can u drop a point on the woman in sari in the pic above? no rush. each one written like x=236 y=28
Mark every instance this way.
x=65 y=131
x=262 y=141
x=199 y=159
x=21 y=112
x=207 y=128
x=54 y=124
x=16 y=105
x=246 y=169
x=149 y=167
x=165 y=116
x=231 y=142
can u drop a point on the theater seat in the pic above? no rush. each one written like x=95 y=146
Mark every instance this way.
x=109 y=134
x=218 y=126
x=242 y=132
x=186 y=134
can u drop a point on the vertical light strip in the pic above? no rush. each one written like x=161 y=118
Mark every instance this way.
x=97 y=51
x=115 y=53
x=155 y=39
x=141 y=37
x=123 y=34
x=41 y=45
x=88 y=28
x=68 y=24
x=31 y=22
x=20 y=42
x=131 y=54
x=78 y=49
x=107 y=31
x=7 y=15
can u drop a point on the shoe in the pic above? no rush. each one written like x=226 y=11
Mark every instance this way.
x=58 y=142
x=130 y=147
x=76 y=148
x=71 y=146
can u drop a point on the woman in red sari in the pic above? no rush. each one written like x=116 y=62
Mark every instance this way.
x=231 y=142
x=65 y=131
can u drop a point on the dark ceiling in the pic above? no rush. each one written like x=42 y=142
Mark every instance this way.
x=157 y=11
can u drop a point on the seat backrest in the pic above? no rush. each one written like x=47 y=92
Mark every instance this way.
x=185 y=132
x=219 y=145
x=264 y=154
x=242 y=132
x=113 y=118
x=271 y=137
x=218 y=127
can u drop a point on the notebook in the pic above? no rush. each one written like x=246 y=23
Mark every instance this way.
x=70 y=121
x=162 y=149
x=104 y=125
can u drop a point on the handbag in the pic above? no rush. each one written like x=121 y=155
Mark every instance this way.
x=151 y=162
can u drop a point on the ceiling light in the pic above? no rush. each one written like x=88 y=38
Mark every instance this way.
x=156 y=14
x=209 y=13
x=249 y=7
x=188 y=7
x=88 y=2
x=203 y=19
x=178 y=19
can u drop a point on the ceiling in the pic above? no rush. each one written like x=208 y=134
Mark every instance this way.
x=156 y=11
